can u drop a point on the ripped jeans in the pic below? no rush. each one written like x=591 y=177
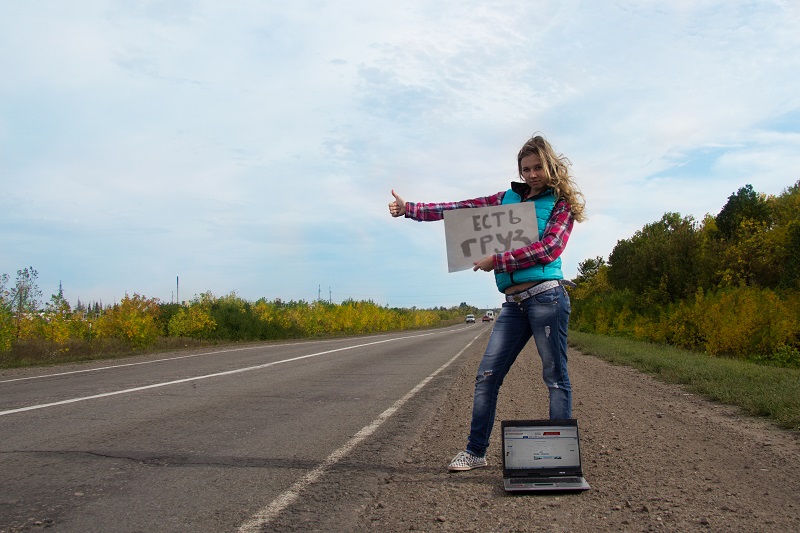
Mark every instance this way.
x=545 y=317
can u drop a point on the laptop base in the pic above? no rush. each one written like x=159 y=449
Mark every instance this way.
x=511 y=485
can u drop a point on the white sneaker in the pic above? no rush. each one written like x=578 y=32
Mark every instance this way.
x=466 y=461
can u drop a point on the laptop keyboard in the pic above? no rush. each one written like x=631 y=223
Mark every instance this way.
x=521 y=480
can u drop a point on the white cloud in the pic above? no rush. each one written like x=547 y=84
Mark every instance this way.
x=251 y=146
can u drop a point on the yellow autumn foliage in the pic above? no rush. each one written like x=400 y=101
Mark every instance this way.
x=193 y=321
x=133 y=320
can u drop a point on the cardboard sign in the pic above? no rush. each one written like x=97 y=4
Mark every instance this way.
x=473 y=233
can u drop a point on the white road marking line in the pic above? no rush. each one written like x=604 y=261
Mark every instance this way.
x=111 y=367
x=262 y=518
x=196 y=378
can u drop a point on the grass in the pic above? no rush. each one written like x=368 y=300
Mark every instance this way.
x=764 y=391
x=35 y=352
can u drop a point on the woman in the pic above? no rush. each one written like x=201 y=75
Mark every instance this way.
x=536 y=303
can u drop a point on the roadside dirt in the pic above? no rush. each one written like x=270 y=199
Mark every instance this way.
x=657 y=458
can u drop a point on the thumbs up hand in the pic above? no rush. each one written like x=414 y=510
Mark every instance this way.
x=398 y=207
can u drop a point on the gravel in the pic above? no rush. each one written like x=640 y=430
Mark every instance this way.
x=657 y=458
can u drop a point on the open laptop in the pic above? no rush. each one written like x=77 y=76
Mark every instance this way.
x=542 y=455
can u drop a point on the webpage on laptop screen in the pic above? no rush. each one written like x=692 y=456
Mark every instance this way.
x=541 y=447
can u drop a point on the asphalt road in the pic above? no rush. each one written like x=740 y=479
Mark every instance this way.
x=218 y=440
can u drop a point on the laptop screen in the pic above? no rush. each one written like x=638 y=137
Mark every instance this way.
x=535 y=447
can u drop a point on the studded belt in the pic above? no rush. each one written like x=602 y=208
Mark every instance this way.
x=536 y=289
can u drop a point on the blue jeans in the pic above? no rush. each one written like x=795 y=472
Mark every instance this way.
x=545 y=317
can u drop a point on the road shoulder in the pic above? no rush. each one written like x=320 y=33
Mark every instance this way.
x=655 y=455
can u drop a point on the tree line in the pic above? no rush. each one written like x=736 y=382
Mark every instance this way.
x=728 y=285
x=138 y=322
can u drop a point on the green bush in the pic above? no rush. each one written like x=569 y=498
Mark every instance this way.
x=743 y=322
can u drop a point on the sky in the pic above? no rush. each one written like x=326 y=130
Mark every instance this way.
x=170 y=148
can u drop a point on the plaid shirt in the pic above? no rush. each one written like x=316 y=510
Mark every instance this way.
x=548 y=249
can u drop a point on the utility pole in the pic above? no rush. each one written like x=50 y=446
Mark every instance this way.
x=178 y=290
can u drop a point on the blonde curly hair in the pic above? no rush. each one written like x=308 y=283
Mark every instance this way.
x=557 y=169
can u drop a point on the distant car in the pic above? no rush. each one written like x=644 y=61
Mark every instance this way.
x=486 y=318
x=470 y=319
